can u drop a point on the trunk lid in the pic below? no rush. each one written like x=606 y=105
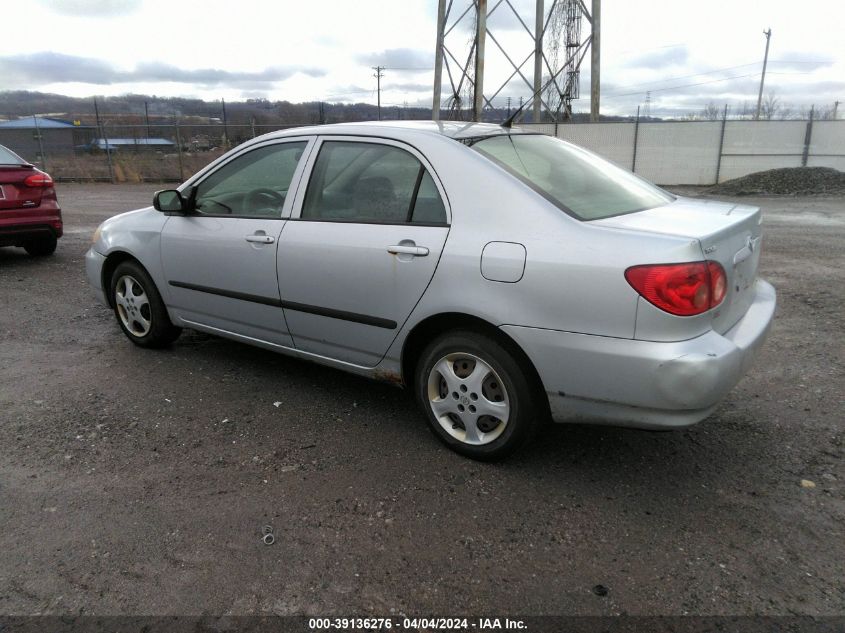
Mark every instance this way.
x=14 y=194
x=728 y=233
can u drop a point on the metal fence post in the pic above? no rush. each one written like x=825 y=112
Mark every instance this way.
x=721 y=144
x=179 y=152
x=808 y=137
x=636 y=138
x=108 y=155
x=102 y=130
x=40 y=143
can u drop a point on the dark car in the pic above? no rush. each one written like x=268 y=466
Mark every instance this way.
x=30 y=215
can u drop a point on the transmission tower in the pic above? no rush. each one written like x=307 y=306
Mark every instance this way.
x=556 y=46
x=564 y=34
x=647 y=107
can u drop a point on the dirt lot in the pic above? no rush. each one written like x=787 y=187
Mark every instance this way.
x=136 y=481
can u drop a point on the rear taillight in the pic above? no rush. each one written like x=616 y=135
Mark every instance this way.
x=38 y=179
x=681 y=289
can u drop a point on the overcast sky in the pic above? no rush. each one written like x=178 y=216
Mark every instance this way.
x=686 y=53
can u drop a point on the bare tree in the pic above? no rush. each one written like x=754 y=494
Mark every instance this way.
x=787 y=111
x=770 y=107
x=826 y=112
x=710 y=112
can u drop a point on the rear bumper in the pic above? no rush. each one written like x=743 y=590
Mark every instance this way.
x=18 y=225
x=94 y=272
x=642 y=383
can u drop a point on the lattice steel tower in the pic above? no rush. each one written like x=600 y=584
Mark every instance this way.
x=556 y=46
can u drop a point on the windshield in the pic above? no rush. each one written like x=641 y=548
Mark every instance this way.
x=579 y=182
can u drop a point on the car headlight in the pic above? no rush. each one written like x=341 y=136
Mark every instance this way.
x=96 y=236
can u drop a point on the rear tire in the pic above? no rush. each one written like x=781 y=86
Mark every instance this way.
x=477 y=397
x=41 y=246
x=138 y=307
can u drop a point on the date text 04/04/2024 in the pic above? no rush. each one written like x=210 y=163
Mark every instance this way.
x=417 y=624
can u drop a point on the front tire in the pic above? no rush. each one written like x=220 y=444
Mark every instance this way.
x=138 y=307
x=41 y=246
x=477 y=397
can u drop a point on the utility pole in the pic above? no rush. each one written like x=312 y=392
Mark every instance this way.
x=225 y=126
x=478 y=82
x=768 y=35
x=147 y=118
x=378 y=77
x=509 y=107
x=538 y=59
x=595 y=61
x=835 y=109
x=438 y=59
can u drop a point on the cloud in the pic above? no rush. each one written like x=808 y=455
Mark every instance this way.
x=91 y=8
x=407 y=87
x=801 y=61
x=673 y=56
x=47 y=67
x=399 y=59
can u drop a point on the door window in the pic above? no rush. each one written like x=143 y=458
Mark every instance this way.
x=254 y=184
x=371 y=183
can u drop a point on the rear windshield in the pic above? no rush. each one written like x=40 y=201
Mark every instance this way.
x=579 y=182
x=8 y=157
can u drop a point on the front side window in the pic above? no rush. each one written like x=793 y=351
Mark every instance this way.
x=254 y=184
x=579 y=182
x=371 y=183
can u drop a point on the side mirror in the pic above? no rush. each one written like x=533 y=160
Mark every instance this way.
x=169 y=201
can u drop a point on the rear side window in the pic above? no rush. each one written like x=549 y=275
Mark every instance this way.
x=371 y=183
x=579 y=182
x=8 y=157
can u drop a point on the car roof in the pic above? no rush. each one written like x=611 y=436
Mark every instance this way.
x=459 y=130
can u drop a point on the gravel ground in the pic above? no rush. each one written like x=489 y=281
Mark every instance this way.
x=137 y=482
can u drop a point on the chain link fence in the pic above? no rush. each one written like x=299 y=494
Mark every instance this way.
x=128 y=153
x=668 y=153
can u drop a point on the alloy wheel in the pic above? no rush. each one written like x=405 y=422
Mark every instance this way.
x=133 y=306
x=468 y=398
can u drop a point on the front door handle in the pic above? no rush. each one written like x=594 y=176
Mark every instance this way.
x=402 y=249
x=260 y=238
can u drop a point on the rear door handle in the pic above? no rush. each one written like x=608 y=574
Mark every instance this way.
x=261 y=239
x=401 y=249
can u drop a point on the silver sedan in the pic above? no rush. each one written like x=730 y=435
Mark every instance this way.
x=505 y=277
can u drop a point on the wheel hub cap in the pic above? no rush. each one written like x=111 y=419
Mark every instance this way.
x=468 y=398
x=133 y=306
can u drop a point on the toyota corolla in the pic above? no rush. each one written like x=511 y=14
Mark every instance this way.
x=503 y=276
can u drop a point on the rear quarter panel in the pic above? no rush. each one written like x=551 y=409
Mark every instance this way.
x=574 y=273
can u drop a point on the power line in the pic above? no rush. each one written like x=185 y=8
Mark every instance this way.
x=708 y=72
x=700 y=83
x=719 y=70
